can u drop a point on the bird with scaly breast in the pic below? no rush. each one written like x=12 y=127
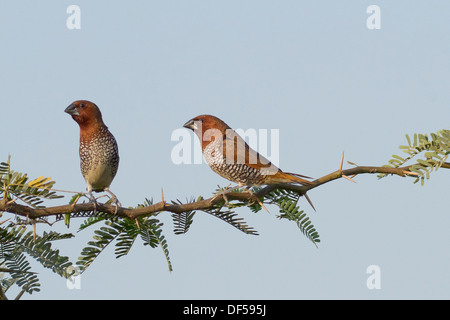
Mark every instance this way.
x=230 y=156
x=99 y=153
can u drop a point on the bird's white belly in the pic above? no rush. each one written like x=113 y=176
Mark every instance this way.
x=99 y=177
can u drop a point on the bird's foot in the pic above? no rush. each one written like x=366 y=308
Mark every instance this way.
x=117 y=204
x=114 y=200
x=93 y=200
x=223 y=194
x=220 y=194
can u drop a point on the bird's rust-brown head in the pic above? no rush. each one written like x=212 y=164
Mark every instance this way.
x=87 y=115
x=208 y=124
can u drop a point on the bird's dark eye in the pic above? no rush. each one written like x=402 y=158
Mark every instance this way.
x=81 y=105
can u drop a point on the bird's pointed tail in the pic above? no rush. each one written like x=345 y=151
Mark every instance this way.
x=286 y=177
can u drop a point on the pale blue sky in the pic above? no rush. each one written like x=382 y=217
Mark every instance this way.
x=311 y=69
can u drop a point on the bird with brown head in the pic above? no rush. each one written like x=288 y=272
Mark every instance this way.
x=99 y=153
x=230 y=156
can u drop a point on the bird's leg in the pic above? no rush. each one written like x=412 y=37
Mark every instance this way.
x=253 y=195
x=93 y=200
x=223 y=193
x=114 y=199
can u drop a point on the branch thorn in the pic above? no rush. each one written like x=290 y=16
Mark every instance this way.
x=340 y=170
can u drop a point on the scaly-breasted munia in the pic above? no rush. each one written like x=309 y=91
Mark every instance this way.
x=230 y=156
x=99 y=154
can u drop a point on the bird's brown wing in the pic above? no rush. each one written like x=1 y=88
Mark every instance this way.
x=236 y=150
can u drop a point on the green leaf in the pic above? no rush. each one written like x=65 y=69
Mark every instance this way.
x=408 y=139
x=231 y=218
x=151 y=234
x=435 y=152
x=424 y=163
x=182 y=221
x=16 y=245
x=124 y=232
x=287 y=200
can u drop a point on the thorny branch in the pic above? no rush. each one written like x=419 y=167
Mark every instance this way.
x=33 y=213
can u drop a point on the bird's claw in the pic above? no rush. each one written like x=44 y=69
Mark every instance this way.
x=222 y=194
x=114 y=200
x=94 y=201
x=117 y=204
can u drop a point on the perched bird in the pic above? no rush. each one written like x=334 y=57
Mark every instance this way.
x=229 y=155
x=99 y=154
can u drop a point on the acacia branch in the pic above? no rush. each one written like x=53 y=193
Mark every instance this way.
x=202 y=205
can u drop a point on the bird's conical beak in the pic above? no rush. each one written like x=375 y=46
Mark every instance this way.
x=190 y=125
x=72 y=110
